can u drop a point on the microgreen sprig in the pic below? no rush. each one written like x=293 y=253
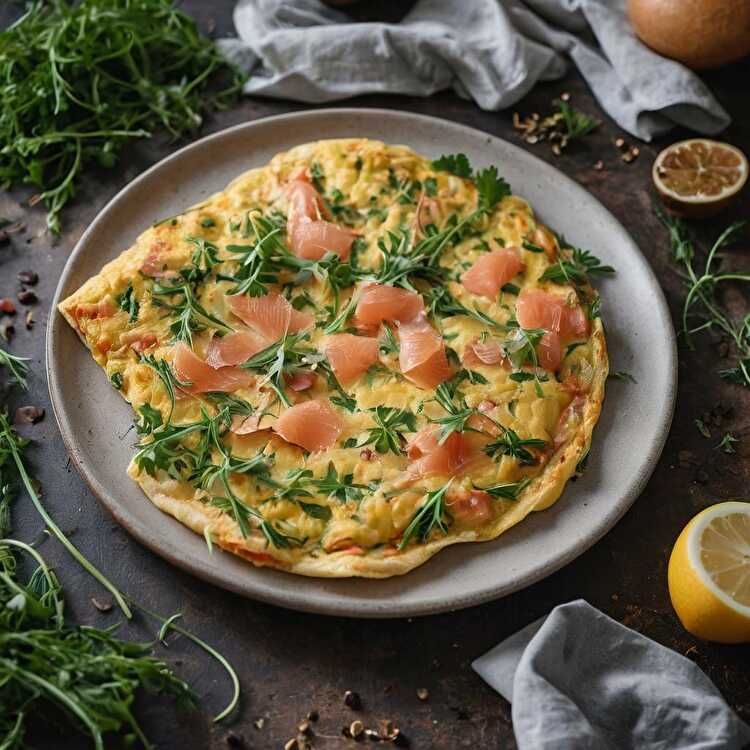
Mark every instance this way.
x=701 y=302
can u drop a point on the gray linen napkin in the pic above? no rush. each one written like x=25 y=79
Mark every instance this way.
x=493 y=51
x=579 y=680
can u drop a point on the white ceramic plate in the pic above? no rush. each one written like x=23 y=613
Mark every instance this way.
x=93 y=418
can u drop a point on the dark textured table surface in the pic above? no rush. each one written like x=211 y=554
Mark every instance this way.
x=290 y=663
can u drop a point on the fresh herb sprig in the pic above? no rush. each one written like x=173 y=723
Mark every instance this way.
x=390 y=424
x=256 y=268
x=440 y=303
x=577 y=123
x=16 y=366
x=343 y=487
x=78 y=81
x=506 y=490
x=180 y=299
x=404 y=259
x=509 y=443
x=458 y=413
x=285 y=357
x=702 y=310
x=575 y=266
x=431 y=517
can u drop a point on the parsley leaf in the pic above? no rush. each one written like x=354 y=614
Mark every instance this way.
x=457 y=164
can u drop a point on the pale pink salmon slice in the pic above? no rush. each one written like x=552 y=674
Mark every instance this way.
x=538 y=309
x=471 y=507
x=309 y=235
x=270 y=315
x=350 y=355
x=201 y=377
x=312 y=425
x=492 y=271
x=422 y=356
x=234 y=348
x=378 y=302
x=430 y=458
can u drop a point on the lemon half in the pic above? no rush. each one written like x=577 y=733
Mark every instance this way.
x=709 y=574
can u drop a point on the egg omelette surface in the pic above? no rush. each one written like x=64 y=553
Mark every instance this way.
x=351 y=358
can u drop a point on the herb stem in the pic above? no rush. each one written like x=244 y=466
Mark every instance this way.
x=5 y=431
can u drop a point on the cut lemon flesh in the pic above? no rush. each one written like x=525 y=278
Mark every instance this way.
x=709 y=573
x=699 y=175
x=699 y=169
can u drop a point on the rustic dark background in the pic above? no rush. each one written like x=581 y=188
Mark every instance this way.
x=290 y=663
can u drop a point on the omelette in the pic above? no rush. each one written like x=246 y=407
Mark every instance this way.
x=351 y=358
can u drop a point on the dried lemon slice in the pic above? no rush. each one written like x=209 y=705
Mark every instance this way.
x=709 y=574
x=699 y=177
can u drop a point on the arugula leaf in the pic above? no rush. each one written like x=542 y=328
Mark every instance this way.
x=342 y=488
x=510 y=444
x=127 y=302
x=390 y=423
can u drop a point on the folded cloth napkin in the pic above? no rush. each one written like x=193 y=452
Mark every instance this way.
x=493 y=51
x=578 y=680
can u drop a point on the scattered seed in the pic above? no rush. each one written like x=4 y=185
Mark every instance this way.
x=631 y=154
x=387 y=731
x=352 y=700
x=371 y=734
x=259 y=723
x=620 y=143
x=304 y=727
x=423 y=694
x=29 y=320
x=10 y=229
x=29 y=278
x=565 y=96
x=7 y=331
x=27 y=297
x=102 y=606
x=7 y=306
x=356 y=728
x=701 y=477
x=28 y=415
x=599 y=165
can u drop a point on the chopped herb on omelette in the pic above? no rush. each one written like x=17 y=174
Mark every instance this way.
x=351 y=358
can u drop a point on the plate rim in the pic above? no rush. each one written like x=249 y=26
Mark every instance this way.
x=341 y=608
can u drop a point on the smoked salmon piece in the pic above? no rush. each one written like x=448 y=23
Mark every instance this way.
x=492 y=271
x=313 y=425
x=549 y=351
x=422 y=355
x=350 y=355
x=300 y=381
x=270 y=315
x=234 y=348
x=378 y=302
x=309 y=234
x=200 y=377
x=538 y=309
x=471 y=507
x=488 y=352
x=430 y=457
